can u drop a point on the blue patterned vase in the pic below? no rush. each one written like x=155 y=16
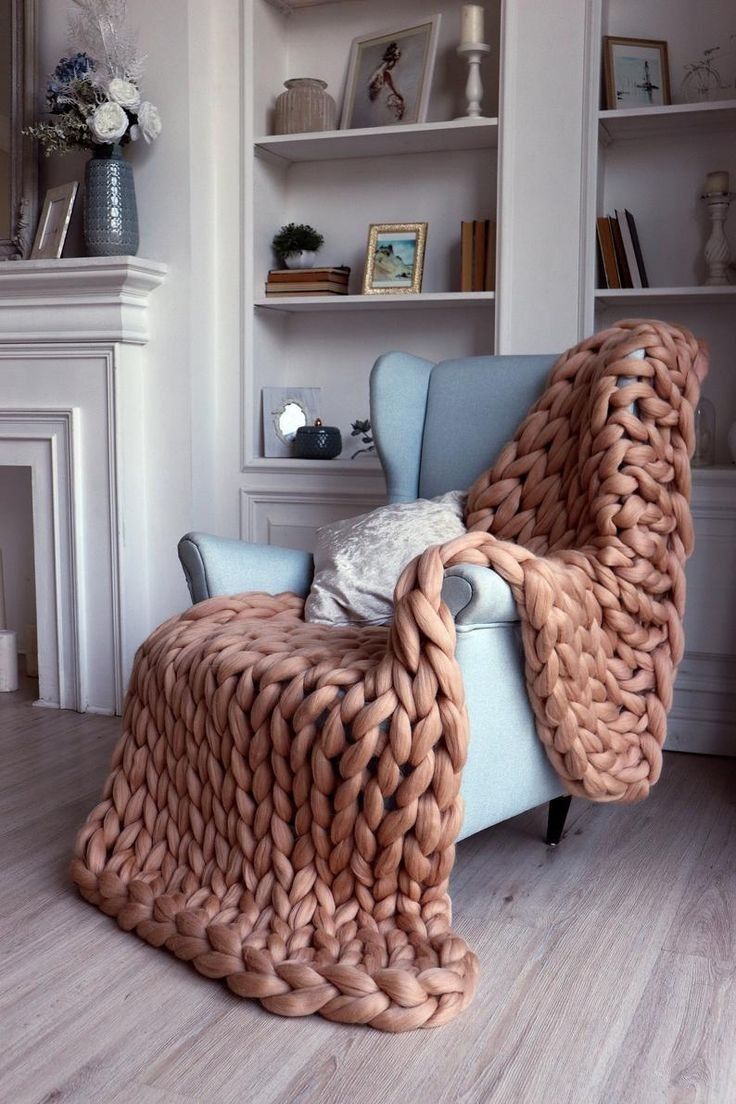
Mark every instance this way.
x=110 y=212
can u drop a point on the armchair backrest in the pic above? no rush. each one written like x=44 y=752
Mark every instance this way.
x=438 y=426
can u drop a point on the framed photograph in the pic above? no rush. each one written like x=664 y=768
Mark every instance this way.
x=54 y=221
x=285 y=409
x=395 y=260
x=636 y=72
x=390 y=75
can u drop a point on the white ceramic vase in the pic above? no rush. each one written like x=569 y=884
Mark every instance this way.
x=300 y=260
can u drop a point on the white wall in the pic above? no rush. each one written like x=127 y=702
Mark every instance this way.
x=187 y=188
x=16 y=545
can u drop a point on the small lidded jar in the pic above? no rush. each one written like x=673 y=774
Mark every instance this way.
x=317 y=442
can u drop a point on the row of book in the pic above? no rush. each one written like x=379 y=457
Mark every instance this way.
x=308 y=281
x=620 y=260
x=478 y=255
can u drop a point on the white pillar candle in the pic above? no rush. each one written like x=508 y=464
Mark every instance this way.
x=716 y=183
x=8 y=661
x=472 y=27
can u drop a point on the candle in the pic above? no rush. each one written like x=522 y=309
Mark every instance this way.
x=472 y=24
x=716 y=183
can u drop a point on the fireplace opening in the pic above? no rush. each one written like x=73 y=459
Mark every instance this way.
x=17 y=570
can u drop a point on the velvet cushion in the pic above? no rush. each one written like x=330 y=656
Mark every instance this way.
x=358 y=561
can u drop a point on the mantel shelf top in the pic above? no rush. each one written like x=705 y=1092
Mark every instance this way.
x=77 y=298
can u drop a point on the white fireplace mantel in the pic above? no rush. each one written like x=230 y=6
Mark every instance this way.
x=77 y=299
x=72 y=337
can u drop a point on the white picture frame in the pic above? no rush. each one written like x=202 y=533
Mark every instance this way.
x=53 y=224
x=390 y=76
x=281 y=417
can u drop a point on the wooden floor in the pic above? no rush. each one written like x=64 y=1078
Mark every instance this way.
x=608 y=972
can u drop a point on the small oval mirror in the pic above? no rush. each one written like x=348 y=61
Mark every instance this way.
x=289 y=419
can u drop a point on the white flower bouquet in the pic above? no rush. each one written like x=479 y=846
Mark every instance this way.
x=93 y=96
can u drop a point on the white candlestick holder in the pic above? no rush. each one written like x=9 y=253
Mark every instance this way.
x=717 y=251
x=474 y=52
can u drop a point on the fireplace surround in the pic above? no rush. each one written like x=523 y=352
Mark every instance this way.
x=72 y=359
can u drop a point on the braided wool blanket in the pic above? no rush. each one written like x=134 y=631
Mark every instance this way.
x=284 y=799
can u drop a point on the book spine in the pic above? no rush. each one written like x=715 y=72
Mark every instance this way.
x=629 y=248
x=466 y=256
x=479 y=255
x=637 y=248
x=605 y=241
x=618 y=244
x=490 y=280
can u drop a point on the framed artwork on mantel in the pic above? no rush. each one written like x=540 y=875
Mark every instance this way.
x=636 y=72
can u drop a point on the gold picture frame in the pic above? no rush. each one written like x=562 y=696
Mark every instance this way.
x=636 y=72
x=395 y=258
x=54 y=222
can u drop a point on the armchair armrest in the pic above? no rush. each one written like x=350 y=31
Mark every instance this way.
x=216 y=565
x=476 y=596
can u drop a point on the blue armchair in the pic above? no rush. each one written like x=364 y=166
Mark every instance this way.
x=436 y=427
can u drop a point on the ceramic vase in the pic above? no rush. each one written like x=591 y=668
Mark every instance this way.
x=110 y=212
x=303 y=259
x=305 y=106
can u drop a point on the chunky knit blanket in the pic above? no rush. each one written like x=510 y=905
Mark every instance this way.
x=284 y=800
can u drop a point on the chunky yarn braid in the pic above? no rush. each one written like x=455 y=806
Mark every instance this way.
x=284 y=800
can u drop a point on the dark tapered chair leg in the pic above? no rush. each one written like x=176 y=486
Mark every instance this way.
x=558 y=810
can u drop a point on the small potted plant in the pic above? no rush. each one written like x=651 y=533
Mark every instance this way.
x=296 y=245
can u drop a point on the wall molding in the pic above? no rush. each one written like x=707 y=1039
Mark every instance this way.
x=346 y=502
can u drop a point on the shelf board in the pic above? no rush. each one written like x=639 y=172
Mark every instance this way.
x=333 y=145
x=297 y=304
x=646 y=122
x=616 y=297
x=362 y=465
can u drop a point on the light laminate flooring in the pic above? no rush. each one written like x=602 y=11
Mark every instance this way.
x=608 y=964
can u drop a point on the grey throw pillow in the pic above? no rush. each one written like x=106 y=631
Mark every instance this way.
x=358 y=561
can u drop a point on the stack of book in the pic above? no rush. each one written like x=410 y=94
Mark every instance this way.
x=621 y=264
x=308 y=281
x=478 y=255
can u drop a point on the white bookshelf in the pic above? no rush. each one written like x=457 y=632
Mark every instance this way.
x=442 y=171
x=653 y=161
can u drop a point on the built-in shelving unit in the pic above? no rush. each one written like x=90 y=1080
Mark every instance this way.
x=653 y=161
x=442 y=172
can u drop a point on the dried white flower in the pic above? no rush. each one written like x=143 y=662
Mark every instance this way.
x=135 y=132
x=123 y=92
x=108 y=123
x=99 y=30
x=149 y=121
